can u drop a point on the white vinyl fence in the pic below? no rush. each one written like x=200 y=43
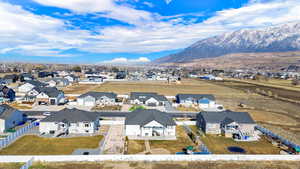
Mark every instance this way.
x=98 y=158
x=28 y=164
x=13 y=136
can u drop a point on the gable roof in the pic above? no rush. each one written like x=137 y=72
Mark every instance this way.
x=144 y=96
x=6 y=110
x=195 y=96
x=144 y=116
x=227 y=117
x=98 y=95
x=50 y=91
x=71 y=115
x=36 y=83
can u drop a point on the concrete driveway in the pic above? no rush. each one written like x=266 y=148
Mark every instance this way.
x=114 y=140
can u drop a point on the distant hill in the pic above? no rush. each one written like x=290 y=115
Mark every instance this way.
x=283 y=39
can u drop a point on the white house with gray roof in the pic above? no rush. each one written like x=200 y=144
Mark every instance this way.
x=70 y=121
x=97 y=98
x=29 y=85
x=148 y=99
x=202 y=100
x=149 y=123
x=228 y=123
x=50 y=96
x=9 y=117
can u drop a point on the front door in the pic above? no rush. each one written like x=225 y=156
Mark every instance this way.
x=52 y=101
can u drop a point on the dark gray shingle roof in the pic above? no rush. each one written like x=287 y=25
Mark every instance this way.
x=195 y=96
x=227 y=117
x=36 y=83
x=72 y=116
x=143 y=96
x=143 y=116
x=99 y=95
x=6 y=110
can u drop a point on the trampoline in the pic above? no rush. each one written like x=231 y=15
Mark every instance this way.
x=235 y=149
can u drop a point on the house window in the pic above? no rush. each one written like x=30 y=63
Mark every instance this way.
x=86 y=125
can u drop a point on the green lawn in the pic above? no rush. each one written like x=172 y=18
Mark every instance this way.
x=34 y=145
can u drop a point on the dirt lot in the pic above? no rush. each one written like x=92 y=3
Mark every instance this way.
x=34 y=145
x=161 y=165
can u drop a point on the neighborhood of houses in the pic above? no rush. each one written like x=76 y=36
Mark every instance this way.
x=141 y=115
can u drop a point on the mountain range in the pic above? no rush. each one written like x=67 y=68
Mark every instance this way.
x=271 y=42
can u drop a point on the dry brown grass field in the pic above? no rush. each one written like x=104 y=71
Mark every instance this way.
x=34 y=145
x=136 y=146
x=79 y=88
x=160 y=165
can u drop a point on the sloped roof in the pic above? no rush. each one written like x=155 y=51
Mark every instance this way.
x=195 y=96
x=6 y=110
x=143 y=116
x=50 y=91
x=72 y=115
x=36 y=83
x=99 y=95
x=144 y=96
x=227 y=116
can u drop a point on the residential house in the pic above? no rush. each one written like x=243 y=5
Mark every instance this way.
x=70 y=121
x=9 y=117
x=10 y=78
x=58 y=82
x=29 y=85
x=26 y=77
x=149 y=123
x=7 y=94
x=202 y=100
x=148 y=99
x=72 y=78
x=228 y=123
x=97 y=98
x=50 y=96
x=47 y=74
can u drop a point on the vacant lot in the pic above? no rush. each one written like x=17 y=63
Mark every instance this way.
x=219 y=145
x=136 y=146
x=79 y=88
x=34 y=145
x=162 y=165
x=173 y=146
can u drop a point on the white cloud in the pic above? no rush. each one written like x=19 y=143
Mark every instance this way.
x=30 y=34
x=168 y=1
x=122 y=60
x=106 y=8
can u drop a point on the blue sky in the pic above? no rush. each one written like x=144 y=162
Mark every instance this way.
x=134 y=31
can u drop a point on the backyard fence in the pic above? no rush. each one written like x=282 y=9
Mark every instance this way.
x=277 y=137
x=28 y=164
x=15 y=135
